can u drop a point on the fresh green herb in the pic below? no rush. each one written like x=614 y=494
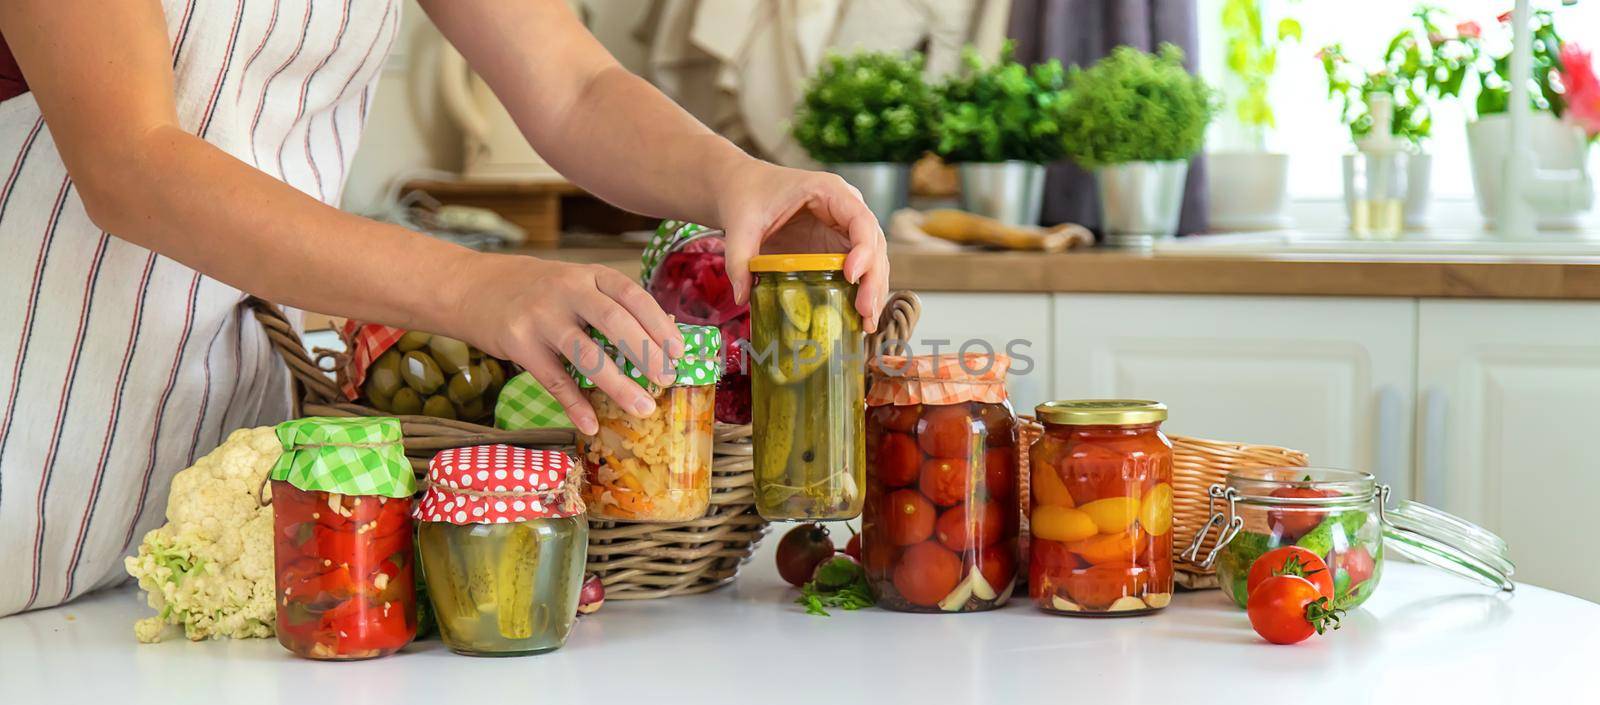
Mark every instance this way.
x=841 y=583
x=1003 y=111
x=867 y=107
x=1252 y=57
x=1134 y=106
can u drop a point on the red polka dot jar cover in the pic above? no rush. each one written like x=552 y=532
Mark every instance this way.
x=499 y=484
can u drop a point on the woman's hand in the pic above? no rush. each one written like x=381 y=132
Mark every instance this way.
x=765 y=207
x=536 y=313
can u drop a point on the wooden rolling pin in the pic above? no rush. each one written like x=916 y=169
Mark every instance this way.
x=963 y=228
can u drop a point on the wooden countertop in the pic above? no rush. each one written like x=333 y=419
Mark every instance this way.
x=1112 y=271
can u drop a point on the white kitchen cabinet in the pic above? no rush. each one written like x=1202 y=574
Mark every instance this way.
x=1016 y=324
x=1510 y=405
x=1331 y=377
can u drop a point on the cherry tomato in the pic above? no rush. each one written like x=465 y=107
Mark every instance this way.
x=898 y=418
x=1093 y=471
x=1049 y=565
x=945 y=431
x=1097 y=586
x=898 y=460
x=800 y=550
x=1286 y=609
x=945 y=481
x=1000 y=473
x=998 y=567
x=878 y=558
x=1110 y=548
x=998 y=423
x=927 y=572
x=1290 y=560
x=1356 y=561
x=961 y=530
x=909 y=517
x=1291 y=524
x=852 y=548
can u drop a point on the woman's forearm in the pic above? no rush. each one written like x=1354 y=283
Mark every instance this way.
x=176 y=194
x=604 y=128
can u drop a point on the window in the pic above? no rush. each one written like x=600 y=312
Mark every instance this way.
x=1308 y=127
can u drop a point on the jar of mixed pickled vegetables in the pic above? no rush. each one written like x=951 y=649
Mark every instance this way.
x=342 y=538
x=807 y=375
x=1101 y=510
x=656 y=467
x=503 y=542
x=1341 y=517
x=939 y=531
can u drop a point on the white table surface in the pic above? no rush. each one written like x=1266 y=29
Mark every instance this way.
x=1424 y=637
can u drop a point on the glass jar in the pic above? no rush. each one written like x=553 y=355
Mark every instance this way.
x=939 y=531
x=342 y=539
x=1101 y=508
x=503 y=543
x=684 y=268
x=1340 y=515
x=657 y=467
x=807 y=383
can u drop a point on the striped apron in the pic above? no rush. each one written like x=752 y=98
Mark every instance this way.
x=118 y=366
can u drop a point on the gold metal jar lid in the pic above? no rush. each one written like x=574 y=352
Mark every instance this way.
x=1101 y=412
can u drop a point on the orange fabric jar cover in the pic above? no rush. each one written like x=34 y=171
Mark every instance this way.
x=942 y=379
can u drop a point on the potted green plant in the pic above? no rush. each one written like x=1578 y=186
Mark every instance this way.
x=867 y=117
x=1248 y=184
x=1135 y=119
x=1000 y=124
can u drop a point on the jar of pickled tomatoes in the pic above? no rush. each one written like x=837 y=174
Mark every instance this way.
x=939 y=528
x=1101 y=508
x=342 y=530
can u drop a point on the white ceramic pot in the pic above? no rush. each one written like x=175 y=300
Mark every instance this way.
x=1247 y=190
x=1556 y=146
x=1419 y=182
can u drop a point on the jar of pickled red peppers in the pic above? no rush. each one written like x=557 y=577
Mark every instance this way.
x=503 y=542
x=1101 y=508
x=939 y=531
x=342 y=539
x=656 y=467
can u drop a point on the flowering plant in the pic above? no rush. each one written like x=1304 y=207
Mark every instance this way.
x=1422 y=63
x=1581 y=89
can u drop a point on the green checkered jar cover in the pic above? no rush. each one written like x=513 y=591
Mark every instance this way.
x=668 y=234
x=525 y=404
x=701 y=362
x=350 y=456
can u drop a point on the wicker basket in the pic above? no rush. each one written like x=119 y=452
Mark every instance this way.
x=634 y=561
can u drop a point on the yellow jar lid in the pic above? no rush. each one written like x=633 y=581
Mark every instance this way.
x=797 y=263
x=1102 y=412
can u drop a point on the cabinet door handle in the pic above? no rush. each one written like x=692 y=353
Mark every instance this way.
x=1435 y=405
x=1388 y=465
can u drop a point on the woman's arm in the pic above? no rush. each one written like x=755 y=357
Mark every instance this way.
x=101 y=72
x=618 y=137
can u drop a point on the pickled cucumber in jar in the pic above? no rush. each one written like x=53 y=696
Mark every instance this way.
x=807 y=389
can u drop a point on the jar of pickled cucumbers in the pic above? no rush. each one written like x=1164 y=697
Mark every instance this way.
x=656 y=467
x=503 y=542
x=939 y=531
x=806 y=367
x=1101 y=511
x=342 y=539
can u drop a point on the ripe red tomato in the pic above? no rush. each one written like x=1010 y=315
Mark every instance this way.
x=1291 y=524
x=945 y=481
x=1357 y=562
x=1096 y=587
x=960 y=530
x=946 y=431
x=998 y=567
x=926 y=573
x=1000 y=473
x=1290 y=560
x=852 y=548
x=1000 y=425
x=898 y=460
x=898 y=418
x=1093 y=471
x=1050 y=563
x=909 y=517
x=1286 y=609
x=878 y=558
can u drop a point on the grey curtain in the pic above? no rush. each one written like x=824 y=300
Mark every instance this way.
x=1081 y=31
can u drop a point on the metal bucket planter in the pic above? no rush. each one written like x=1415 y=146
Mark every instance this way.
x=885 y=186
x=1010 y=192
x=1140 y=201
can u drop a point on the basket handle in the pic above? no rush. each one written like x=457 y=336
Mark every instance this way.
x=898 y=320
x=286 y=340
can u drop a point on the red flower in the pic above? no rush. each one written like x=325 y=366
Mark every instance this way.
x=1504 y=17
x=1582 y=88
x=1469 y=30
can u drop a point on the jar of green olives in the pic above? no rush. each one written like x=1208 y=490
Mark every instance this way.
x=422 y=374
x=806 y=367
